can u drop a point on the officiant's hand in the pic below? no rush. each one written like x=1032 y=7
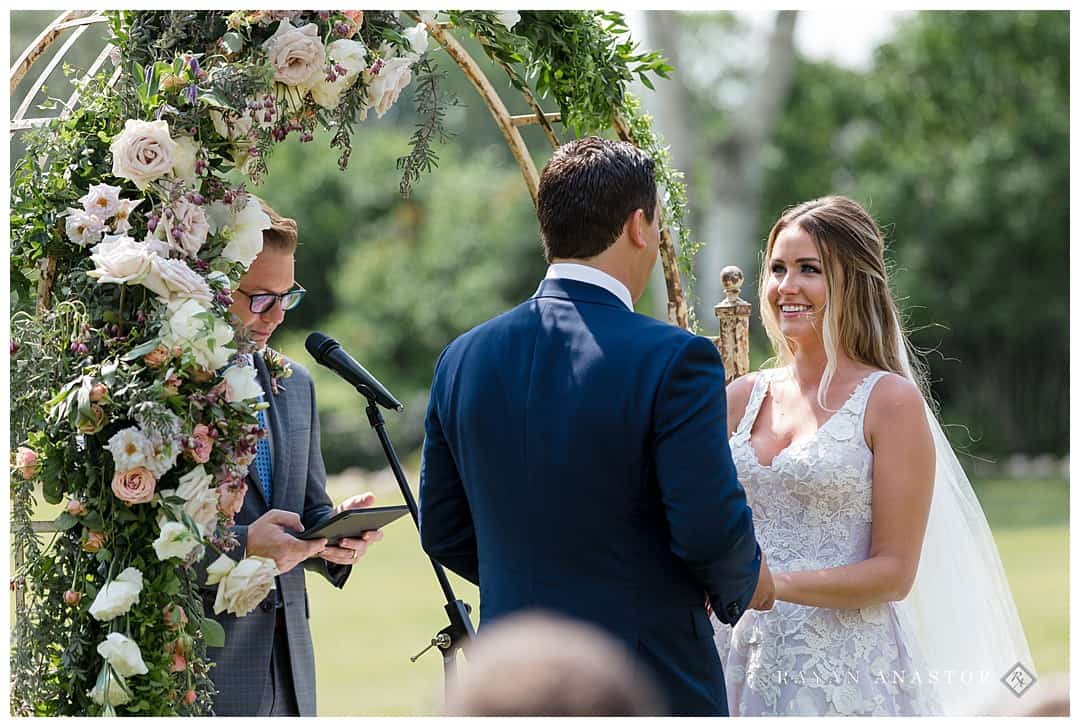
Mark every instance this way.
x=269 y=538
x=765 y=593
x=349 y=550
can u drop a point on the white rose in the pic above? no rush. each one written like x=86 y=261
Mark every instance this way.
x=119 y=259
x=295 y=54
x=143 y=152
x=246 y=585
x=175 y=541
x=191 y=325
x=242 y=382
x=200 y=499
x=187 y=153
x=845 y=699
x=246 y=240
x=118 y=691
x=118 y=595
x=509 y=18
x=121 y=224
x=385 y=87
x=417 y=37
x=130 y=448
x=102 y=200
x=219 y=569
x=82 y=227
x=350 y=54
x=185 y=226
x=123 y=655
x=174 y=280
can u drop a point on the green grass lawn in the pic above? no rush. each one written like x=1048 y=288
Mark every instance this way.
x=391 y=607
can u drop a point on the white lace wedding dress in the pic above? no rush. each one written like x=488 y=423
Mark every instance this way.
x=811 y=509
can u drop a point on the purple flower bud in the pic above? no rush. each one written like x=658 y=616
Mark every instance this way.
x=253 y=151
x=341 y=70
x=192 y=93
x=82 y=349
x=306 y=137
x=197 y=198
x=201 y=266
x=377 y=66
x=279 y=134
x=200 y=166
x=152 y=222
x=268 y=116
x=268 y=103
x=140 y=316
x=341 y=28
x=177 y=232
x=193 y=64
x=14 y=348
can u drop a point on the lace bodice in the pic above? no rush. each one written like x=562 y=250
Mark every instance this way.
x=812 y=510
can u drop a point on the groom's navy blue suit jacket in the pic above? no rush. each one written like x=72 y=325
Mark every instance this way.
x=576 y=460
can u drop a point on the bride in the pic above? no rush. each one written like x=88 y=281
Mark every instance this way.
x=890 y=594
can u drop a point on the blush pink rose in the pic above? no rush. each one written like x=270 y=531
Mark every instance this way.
x=134 y=486
x=26 y=460
x=200 y=444
x=94 y=541
x=76 y=507
x=157 y=357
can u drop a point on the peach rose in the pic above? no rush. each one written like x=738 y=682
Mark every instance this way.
x=72 y=598
x=231 y=499
x=98 y=392
x=26 y=460
x=134 y=486
x=94 y=541
x=157 y=357
x=175 y=617
x=189 y=697
x=75 y=508
x=201 y=444
x=94 y=422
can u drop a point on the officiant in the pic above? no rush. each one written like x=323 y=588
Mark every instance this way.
x=267 y=667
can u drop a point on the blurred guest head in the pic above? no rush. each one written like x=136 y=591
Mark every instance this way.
x=539 y=664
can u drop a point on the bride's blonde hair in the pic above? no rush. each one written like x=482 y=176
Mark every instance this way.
x=861 y=316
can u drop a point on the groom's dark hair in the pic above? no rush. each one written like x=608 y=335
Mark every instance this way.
x=587 y=190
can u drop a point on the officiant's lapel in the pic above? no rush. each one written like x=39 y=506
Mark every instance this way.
x=277 y=416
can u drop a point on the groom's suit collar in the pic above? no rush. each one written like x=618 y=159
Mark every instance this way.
x=583 y=283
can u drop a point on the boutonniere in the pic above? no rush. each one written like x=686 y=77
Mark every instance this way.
x=277 y=367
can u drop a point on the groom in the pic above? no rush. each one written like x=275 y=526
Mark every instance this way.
x=576 y=456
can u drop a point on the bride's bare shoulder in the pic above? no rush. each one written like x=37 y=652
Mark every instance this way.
x=738 y=396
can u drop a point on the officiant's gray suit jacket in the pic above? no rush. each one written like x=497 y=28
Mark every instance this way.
x=242 y=673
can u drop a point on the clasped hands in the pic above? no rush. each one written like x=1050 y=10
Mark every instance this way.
x=269 y=537
x=764 y=593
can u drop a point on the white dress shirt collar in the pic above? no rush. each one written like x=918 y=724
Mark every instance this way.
x=593 y=276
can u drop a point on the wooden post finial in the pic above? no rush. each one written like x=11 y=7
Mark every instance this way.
x=734 y=314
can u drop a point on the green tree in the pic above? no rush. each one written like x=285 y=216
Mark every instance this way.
x=956 y=139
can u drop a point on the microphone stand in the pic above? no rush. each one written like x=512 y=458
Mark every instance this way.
x=451 y=638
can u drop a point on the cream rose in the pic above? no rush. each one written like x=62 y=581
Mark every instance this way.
x=143 y=151
x=187 y=325
x=187 y=154
x=245 y=230
x=123 y=654
x=118 y=595
x=388 y=83
x=174 y=280
x=185 y=227
x=119 y=259
x=134 y=486
x=219 y=569
x=241 y=383
x=175 y=541
x=246 y=585
x=352 y=56
x=200 y=499
x=295 y=54
x=130 y=448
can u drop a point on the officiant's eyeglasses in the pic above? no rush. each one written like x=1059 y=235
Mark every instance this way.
x=262 y=302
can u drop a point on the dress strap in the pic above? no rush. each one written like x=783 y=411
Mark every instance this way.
x=757 y=395
x=861 y=396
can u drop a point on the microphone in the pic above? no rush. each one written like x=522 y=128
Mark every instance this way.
x=330 y=354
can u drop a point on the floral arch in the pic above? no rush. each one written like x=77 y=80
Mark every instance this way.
x=130 y=405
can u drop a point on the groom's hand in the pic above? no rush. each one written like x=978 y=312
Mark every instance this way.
x=765 y=593
x=349 y=550
x=269 y=538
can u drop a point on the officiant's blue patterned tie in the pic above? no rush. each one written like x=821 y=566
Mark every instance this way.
x=262 y=457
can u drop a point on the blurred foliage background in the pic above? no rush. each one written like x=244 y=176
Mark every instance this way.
x=955 y=136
